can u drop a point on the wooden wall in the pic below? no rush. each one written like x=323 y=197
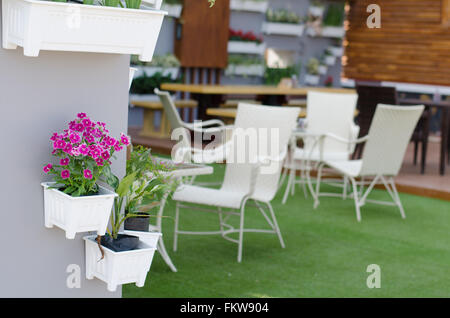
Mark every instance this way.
x=201 y=35
x=412 y=45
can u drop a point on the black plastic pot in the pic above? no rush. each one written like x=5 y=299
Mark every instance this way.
x=121 y=244
x=137 y=224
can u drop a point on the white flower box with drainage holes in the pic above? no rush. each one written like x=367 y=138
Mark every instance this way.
x=333 y=32
x=245 y=70
x=312 y=79
x=323 y=69
x=316 y=11
x=336 y=50
x=117 y=268
x=77 y=214
x=249 y=5
x=246 y=47
x=173 y=10
x=283 y=28
x=330 y=60
x=152 y=70
x=59 y=26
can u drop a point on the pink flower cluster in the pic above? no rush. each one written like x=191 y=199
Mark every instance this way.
x=82 y=140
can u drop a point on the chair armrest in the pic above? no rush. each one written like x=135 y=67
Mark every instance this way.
x=347 y=141
x=201 y=126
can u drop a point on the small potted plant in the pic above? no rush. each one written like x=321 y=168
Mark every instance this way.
x=75 y=201
x=312 y=77
x=333 y=23
x=316 y=8
x=167 y=64
x=283 y=22
x=245 y=42
x=249 y=5
x=125 y=257
x=329 y=58
x=173 y=7
x=244 y=65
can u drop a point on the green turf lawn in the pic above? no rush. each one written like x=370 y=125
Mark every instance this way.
x=326 y=255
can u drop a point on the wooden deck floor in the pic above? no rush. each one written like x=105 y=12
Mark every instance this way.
x=431 y=184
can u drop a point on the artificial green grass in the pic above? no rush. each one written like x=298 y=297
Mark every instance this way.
x=327 y=252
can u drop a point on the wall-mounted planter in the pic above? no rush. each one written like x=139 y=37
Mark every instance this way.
x=249 y=5
x=173 y=10
x=283 y=28
x=312 y=79
x=316 y=11
x=336 y=50
x=333 y=32
x=118 y=268
x=245 y=70
x=323 y=69
x=246 y=47
x=152 y=70
x=59 y=26
x=330 y=60
x=144 y=97
x=77 y=214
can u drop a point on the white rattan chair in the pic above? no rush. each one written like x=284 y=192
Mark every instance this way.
x=326 y=113
x=184 y=151
x=258 y=148
x=386 y=143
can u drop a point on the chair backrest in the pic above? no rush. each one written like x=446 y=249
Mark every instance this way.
x=389 y=135
x=182 y=134
x=330 y=113
x=259 y=131
x=368 y=99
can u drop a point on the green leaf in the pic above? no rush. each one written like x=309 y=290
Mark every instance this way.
x=125 y=184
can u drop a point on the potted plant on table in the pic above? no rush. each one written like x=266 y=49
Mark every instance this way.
x=125 y=257
x=75 y=201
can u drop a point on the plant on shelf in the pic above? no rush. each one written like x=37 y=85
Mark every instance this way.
x=313 y=66
x=283 y=16
x=335 y=15
x=84 y=151
x=146 y=84
x=165 y=61
x=240 y=36
x=139 y=193
x=329 y=81
x=246 y=65
x=273 y=76
x=75 y=201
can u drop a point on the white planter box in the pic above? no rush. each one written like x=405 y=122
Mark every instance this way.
x=249 y=5
x=144 y=97
x=316 y=11
x=58 y=26
x=336 y=50
x=77 y=214
x=173 y=10
x=283 y=28
x=246 y=47
x=118 y=268
x=333 y=32
x=312 y=79
x=245 y=70
x=330 y=60
x=323 y=69
x=152 y=70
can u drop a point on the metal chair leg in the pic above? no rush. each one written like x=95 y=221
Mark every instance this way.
x=355 y=196
x=175 y=232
